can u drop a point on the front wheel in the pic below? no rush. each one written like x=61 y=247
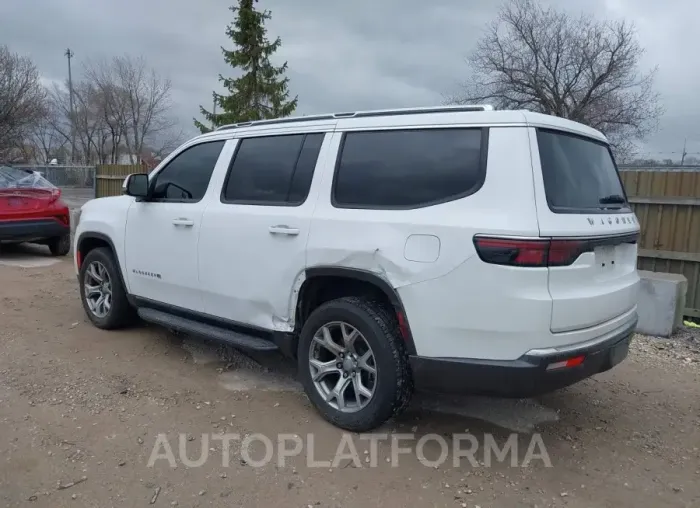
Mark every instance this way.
x=102 y=292
x=353 y=363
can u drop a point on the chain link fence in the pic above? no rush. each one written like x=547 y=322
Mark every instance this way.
x=66 y=176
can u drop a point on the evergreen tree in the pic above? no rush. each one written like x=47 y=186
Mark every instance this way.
x=261 y=91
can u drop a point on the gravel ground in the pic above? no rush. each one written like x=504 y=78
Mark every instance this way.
x=81 y=411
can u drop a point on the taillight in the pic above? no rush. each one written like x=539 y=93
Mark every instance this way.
x=55 y=194
x=528 y=253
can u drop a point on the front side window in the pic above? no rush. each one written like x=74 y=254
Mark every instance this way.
x=409 y=168
x=187 y=176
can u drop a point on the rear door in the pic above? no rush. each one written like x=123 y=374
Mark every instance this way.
x=252 y=247
x=580 y=197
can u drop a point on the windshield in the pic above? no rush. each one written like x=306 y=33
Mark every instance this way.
x=13 y=178
x=579 y=174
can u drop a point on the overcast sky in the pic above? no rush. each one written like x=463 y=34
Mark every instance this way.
x=342 y=55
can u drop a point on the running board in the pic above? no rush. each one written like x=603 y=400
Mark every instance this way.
x=206 y=331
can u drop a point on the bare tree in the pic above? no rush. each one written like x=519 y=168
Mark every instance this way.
x=148 y=102
x=22 y=102
x=45 y=139
x=87 y=119
x=136 y=105
x=546 y=60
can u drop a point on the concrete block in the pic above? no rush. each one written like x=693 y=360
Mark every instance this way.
x=661 y=302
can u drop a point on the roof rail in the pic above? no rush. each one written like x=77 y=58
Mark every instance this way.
x=360 y=114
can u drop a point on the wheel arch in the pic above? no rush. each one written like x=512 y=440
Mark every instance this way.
x=360 y=278
x=90 y=240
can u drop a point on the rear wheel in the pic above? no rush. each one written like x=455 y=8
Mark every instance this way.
x=353 y=363
x=60 y=245
x=102 y=292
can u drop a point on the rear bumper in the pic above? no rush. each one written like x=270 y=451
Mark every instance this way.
x=28 y=230
x=528 y=375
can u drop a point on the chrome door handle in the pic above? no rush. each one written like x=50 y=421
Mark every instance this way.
x=183 y=222
x=283 y=230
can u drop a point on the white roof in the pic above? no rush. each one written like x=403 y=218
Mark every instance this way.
x=448 y=116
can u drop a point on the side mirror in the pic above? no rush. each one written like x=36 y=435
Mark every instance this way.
x=136 y=185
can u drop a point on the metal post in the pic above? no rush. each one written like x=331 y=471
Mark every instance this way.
x=69 y=54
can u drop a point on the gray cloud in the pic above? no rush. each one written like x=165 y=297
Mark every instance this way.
x=342 y=56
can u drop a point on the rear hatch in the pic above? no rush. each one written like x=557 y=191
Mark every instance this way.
x=24 y=193
x=583 y=208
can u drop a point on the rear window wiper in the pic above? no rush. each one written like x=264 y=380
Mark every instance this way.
x=612 y=199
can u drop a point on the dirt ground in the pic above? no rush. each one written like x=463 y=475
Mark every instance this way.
x=81 y=411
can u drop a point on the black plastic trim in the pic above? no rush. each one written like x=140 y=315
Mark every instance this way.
x=31 y=229
x=623 y=208
x=199 y=328
x=526 y=376
x=141 y=302
x=483 y=162
x=374 y=279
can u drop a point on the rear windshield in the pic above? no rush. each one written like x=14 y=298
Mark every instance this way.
x=579 y=174
x=14 y=178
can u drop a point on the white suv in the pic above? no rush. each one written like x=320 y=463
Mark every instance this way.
x=456 y=248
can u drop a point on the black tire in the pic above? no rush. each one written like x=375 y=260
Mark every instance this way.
x=121 y=313
x=394 y=383
x=59 y=245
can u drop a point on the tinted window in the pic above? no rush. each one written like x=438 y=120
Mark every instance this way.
x=187 y=176
x=579 y=173
x=408 y=168
x=273 y=169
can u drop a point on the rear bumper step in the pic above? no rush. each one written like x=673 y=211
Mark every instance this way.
x=206 y=331
x=528 y=376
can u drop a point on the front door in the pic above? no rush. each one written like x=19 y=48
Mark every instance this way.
x=162 y=232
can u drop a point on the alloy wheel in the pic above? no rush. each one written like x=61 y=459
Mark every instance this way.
x=98 y=289
x=343 y=367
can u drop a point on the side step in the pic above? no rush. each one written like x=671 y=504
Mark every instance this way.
x=206 y=331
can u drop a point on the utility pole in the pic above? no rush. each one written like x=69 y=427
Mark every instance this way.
x=69 y=54
x=685 y=144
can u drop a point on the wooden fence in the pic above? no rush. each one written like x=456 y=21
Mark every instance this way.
x=667 y=205
x=110 y=177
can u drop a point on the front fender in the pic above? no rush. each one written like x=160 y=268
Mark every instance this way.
x=104 y=218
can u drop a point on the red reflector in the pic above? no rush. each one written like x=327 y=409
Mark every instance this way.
x=403 y=328
x=576 y=360
x=565 y=364
x=79 y=258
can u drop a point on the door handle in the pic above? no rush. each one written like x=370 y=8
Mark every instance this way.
x=284 y=230
x=183 y=222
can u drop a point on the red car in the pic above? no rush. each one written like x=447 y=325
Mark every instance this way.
x=31 y=210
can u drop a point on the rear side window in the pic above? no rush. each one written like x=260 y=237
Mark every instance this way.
x=579 y=174
x=273 y=170
x=409 y=168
